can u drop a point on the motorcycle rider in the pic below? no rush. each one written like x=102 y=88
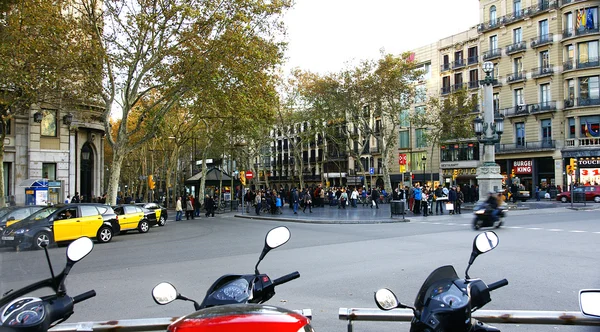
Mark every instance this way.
x=492 y=202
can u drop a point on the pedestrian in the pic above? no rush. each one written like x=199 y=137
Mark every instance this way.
x=75 y=198
x=537 y=193
x=295 y=200
x=307 y=201
x=354 y=197
x=417 y=203
x=189 y=208
x=209 y=206
x=452 y=197
x=257 y=203
x=66 y=200
x=178 y=210
x=278 y=204
x=460 y=199
x=375 y=198
x=439 y=200
x=424 y=201
x=197 y=206
x=344 y=199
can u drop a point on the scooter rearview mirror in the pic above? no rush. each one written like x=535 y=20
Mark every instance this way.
x=589 y=302
x=79 y=248
x=276 y=237
x=386 y=299
x=482 y=243
x=164 y=293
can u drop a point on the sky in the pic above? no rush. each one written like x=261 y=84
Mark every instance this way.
x=324 y=35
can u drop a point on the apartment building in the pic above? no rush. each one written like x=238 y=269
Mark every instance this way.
x=545 y=55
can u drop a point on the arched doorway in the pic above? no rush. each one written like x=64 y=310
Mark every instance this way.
x=86 y=172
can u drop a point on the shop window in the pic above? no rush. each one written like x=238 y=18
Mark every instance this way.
x=459 y=152
x=589 y=126
x=48 y=125
x=49 y=171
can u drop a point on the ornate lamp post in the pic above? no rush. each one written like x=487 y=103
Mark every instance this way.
x=423 y=162
x=488 y=131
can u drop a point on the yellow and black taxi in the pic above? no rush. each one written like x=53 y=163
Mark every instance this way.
x=159 y=210
x=62 y=223
x=133 y=217
x=13 y=214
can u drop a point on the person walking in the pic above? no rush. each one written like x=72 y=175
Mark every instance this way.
x=295 y=200
x=375 y=198
x=425 y=201
x=452 y=197
x=417 y=204
x=178 y=210
x=258 y=202
x=189 y=208
x=209 y=205
x=439 y=200
x=307 y=201
x=354 y=197
x=460 y=198
x=344 y=199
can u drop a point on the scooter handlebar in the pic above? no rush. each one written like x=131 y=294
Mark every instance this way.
x=497 y=284
x=84 y=296
x=286 y=278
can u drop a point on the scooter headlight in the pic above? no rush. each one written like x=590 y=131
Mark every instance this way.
x=482 y=211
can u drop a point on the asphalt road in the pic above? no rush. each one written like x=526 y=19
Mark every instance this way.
x=547 y=255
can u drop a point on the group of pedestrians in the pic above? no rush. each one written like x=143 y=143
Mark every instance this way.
x=192 y=206
x=420 y=199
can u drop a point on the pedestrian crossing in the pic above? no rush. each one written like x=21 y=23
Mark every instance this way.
x=507 y=227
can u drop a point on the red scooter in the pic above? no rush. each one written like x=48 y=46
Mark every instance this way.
x=234 y=301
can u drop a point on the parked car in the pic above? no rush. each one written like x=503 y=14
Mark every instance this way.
x=135 y=217
x=592 y=193
x=60 y=223
x=12 y=214
x=160 y=211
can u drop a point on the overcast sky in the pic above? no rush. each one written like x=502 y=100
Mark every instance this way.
x=325 y=34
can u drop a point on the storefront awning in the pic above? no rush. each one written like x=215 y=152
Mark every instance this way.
x=34 y=183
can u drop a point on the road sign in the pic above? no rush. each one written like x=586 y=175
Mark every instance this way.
x=371 y=170
x=402 y=158
x=249 y=175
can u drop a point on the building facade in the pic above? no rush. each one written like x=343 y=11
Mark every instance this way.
x=545 y=55
x=59 y=149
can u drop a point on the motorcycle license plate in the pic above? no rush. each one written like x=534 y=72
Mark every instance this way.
x=8 y=238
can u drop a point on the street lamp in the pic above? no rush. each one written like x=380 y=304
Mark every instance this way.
x=488 y=131
x=423 y=162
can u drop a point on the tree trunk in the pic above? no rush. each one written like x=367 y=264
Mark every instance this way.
x=115 y=174
x=2 y=193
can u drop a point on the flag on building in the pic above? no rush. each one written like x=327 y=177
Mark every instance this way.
x=411 y=57
x=590 y=19
x=580 y=23
x=589 y=130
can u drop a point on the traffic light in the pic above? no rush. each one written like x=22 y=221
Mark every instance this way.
x=512 y=173
x=151 y=183
x=243 y=178
x=573 y=164
x=569 y=169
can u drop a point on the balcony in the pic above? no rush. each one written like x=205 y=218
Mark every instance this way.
x=518 y=110
x=460 y=63
x=582 y=142
x=473 y=60
x=445 y=67
x=526 y=146
x=568 y=33
x=568 y=65
x=445 y=90
x=588 y=63
x=512 y=17
x=519 y=76
x=498 y=81
x=473 y=84
x=489 y=25
x=542 y=71
x=492 y=54
x=588 y=101
x=542 y=40
x=458 y=86
x=548 y=106
x=516 y=47
x=541 y=7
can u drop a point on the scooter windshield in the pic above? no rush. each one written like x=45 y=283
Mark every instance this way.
x=441 y=273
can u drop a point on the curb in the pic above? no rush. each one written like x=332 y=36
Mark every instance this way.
x=322 y=221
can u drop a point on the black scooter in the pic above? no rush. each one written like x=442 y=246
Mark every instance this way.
x=483 y=216
x=445 y=302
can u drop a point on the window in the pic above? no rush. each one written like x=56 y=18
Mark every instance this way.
x=520 y=133
x=426 y=70
x=517 y=35
x=493 y=15
x=568 y=25
x=571 y=127
x=420 y=110
x=404 y=118
x=544 y=59
x=458 y=81
x=543 y=26
x=446 y=61
x=473 y=56
x=517 y=8
x=588 y=88
x=49 y=171
x=518 y=95
x=496 y=102
x=420 y=93
x=8 y=127
x=404 y=140
x=48 y=125
x=493 y=43
x=459 y=152
x=496 y=70
x=589 y=126
x=545 y=95
x=88 y=210
x=588 y=53
x=570 y=53
x=446 y=81
x=420 y=137
x=458 y=58
x=474 y=75
x=570 y=90
x=583 y=22
x=517 y=65
x=546 y=131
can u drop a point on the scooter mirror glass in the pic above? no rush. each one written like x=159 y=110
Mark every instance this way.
x=486 y=241
x=589 y=301
x=79 y=248
x=386 y=299
x=164 y=293
x=277 y=237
